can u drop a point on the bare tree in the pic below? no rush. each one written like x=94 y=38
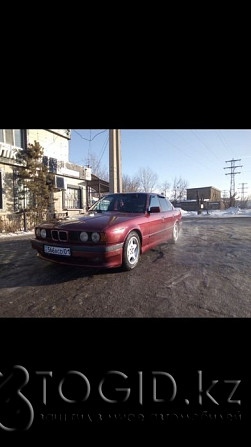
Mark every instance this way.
x=179 y=189
x=148 y=179
x=97 y=169
x=165 y=187
x=130 y=184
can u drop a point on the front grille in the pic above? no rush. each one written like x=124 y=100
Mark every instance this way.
x=74 y=236
x=61 y=236
x=48 y=234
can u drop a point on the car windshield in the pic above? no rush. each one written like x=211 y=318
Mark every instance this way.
x=124 y=203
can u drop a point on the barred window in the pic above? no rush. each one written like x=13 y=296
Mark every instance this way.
x=1 y=191
x=72 y=198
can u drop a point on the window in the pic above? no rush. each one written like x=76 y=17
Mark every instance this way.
x=14 y=137
x=154 y=201
x=21 y=197
x=105 y=204
x=9 y=137
x=165 y=205
x=1 y=192
x=72 y=198
x=125 y=203
x=18 y=137
x=169 y=205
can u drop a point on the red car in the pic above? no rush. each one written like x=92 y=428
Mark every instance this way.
x=115 y=232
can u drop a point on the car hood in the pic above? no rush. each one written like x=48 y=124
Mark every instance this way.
x=92 y=221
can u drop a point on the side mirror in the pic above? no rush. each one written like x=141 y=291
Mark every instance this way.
x=154 y=209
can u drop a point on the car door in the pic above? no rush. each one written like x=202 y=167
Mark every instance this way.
x=157 y=222
x=167 y=213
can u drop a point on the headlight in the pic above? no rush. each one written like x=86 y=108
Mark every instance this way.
x=38 y=232
x=83 y=236
x=43 y=233
x=95 y=237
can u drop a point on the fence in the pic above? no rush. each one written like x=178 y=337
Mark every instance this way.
x=21 y=221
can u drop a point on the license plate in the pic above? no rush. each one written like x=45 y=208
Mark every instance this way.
x=61 y=251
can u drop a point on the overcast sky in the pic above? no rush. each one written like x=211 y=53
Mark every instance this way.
x=198 y=156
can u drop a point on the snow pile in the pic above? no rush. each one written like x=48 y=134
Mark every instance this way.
x=183 y=212
x=230 y=212
x=233 y=210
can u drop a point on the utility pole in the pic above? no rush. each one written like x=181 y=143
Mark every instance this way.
x=224 y=198
x=115 y=171
x=243 y=188
x=232 y=181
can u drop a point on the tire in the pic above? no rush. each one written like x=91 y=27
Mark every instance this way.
x=175 y=233
x=131 y=251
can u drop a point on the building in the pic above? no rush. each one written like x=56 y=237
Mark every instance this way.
x=11 y=140
x=207 y=193
x=207 y=198
x=71 y=180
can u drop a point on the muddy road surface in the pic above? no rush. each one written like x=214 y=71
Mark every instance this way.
x=205 y=274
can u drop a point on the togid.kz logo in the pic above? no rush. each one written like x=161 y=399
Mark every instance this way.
x=16 y=411
x=114 y=387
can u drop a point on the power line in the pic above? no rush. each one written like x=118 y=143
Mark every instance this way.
x=232 y=173
x=222 y=140
x=204 y=144
x=89 y=148
x=89 y=139
x=195 y=160
x=224 y=193
x=243 y=189
x=105 y=145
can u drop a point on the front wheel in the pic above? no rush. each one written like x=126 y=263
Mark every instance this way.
x=131 y=252
x=175 y=234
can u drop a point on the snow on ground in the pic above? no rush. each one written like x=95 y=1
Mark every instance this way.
x=230 y=212
x=18 y=233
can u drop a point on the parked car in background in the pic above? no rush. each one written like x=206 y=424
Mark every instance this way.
x=114 y=232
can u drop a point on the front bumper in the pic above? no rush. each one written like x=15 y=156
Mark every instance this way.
x=106 y=256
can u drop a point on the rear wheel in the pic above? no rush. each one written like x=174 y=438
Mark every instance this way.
x=131 y=252
x=175 y=234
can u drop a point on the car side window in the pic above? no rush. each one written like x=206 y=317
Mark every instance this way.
x=154 y=201
x=170 y=206
x=165 y=205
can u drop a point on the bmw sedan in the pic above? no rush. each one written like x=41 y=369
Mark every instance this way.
x=114 y=232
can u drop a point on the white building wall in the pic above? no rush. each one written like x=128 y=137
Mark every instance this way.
x=55 y=146
x=55 y=143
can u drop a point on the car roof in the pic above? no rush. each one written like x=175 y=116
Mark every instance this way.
x=134 y=192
